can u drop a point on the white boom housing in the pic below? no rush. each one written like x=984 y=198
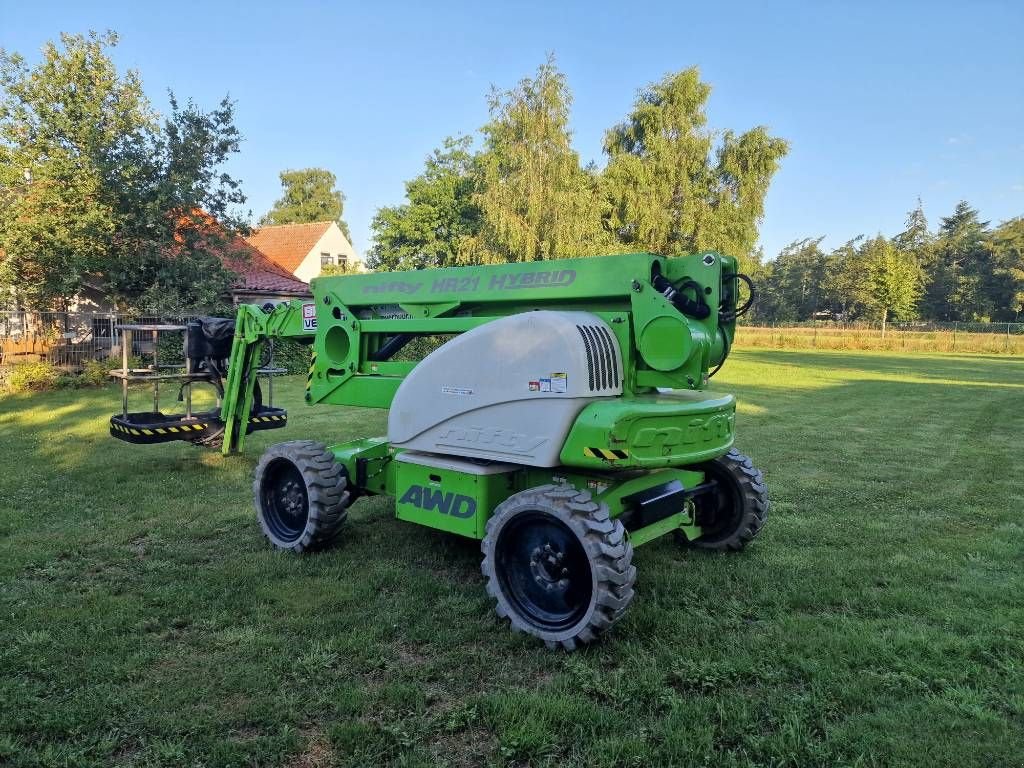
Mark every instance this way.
x=509 y=390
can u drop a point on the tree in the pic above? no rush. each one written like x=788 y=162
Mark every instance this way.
x=177 y=223
x=891 y=281
x=440 y=219
x=799 y=275
x=671 y=188
x=1006 y=284
x=310 y=194
x=62 y=127
x=916 y=239
x=843 y=273
x=959 y=268
x=536 y=200
x=93 y=184
x=769 y=305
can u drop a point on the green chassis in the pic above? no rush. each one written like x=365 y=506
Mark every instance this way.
x=636 y=452
x=460 y=502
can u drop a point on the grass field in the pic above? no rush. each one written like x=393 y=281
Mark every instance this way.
x=878 y=620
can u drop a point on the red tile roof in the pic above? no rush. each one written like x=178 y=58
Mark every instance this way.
x=287 y=244
x=258 y=274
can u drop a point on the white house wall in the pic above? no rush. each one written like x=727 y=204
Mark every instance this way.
x=334 y=242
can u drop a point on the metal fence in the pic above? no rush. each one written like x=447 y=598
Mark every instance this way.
x=916 y=326
x=70 y=339
x=998 y=338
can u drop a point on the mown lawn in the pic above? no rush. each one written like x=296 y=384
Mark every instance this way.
x=878 y=620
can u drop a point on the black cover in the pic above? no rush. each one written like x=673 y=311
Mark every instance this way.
x=208 y=347
x=209 y=338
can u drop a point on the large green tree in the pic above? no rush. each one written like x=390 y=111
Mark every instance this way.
x=94 y=185
x=309 y=195
x=1005 y=284
x=536 y=199
x=890 y=284
x=841 y=275
x=440 y=220
x=670 y=184
x=959 y=267
x=674 y=185
x=799 y=276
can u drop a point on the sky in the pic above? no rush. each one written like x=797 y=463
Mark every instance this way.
x=882 y=102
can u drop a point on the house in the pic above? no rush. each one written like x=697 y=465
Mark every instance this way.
x=305 y=249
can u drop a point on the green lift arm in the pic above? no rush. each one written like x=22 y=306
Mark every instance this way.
x=674 y=319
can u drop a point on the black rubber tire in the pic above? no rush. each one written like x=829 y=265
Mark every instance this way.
x=585 y=527
x=308 y=515
x=741 y=504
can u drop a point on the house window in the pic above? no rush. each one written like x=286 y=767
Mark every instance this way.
x=326 y=260
x=342 y=261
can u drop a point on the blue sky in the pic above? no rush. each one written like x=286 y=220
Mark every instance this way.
x=883 y=102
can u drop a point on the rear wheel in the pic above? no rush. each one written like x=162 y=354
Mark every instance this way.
x=301 y=495
x=558 y=567
x=737 y=510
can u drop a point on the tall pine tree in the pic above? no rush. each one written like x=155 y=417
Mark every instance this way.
x=959 y=268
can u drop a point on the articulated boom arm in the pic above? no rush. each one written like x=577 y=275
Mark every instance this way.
x=674 y=319
x=254 y=329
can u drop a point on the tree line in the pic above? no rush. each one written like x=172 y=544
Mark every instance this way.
x=95 y=183
x=963 y=270
x=517 y=191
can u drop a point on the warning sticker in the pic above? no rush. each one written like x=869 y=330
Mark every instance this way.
x=309 y=316
x=554 y=382
x=456 y=391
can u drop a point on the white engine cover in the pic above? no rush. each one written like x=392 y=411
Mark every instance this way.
x=508 y=390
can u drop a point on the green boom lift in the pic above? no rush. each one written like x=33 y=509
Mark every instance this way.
x=562 y=419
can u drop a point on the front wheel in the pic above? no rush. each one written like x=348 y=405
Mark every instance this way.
x=558 y=567
x=737 y=510
x=301 y=495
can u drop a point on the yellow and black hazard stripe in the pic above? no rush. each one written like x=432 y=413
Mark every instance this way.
x=312 y=367
x=259 y=419
x=160 y=430
x=607 y=454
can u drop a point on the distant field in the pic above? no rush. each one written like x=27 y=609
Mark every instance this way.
x=878 y=620
x=1000 y=342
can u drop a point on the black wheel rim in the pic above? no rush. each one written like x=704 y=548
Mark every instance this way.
x=284 y=500
x=544 y=570
x=722 y=512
